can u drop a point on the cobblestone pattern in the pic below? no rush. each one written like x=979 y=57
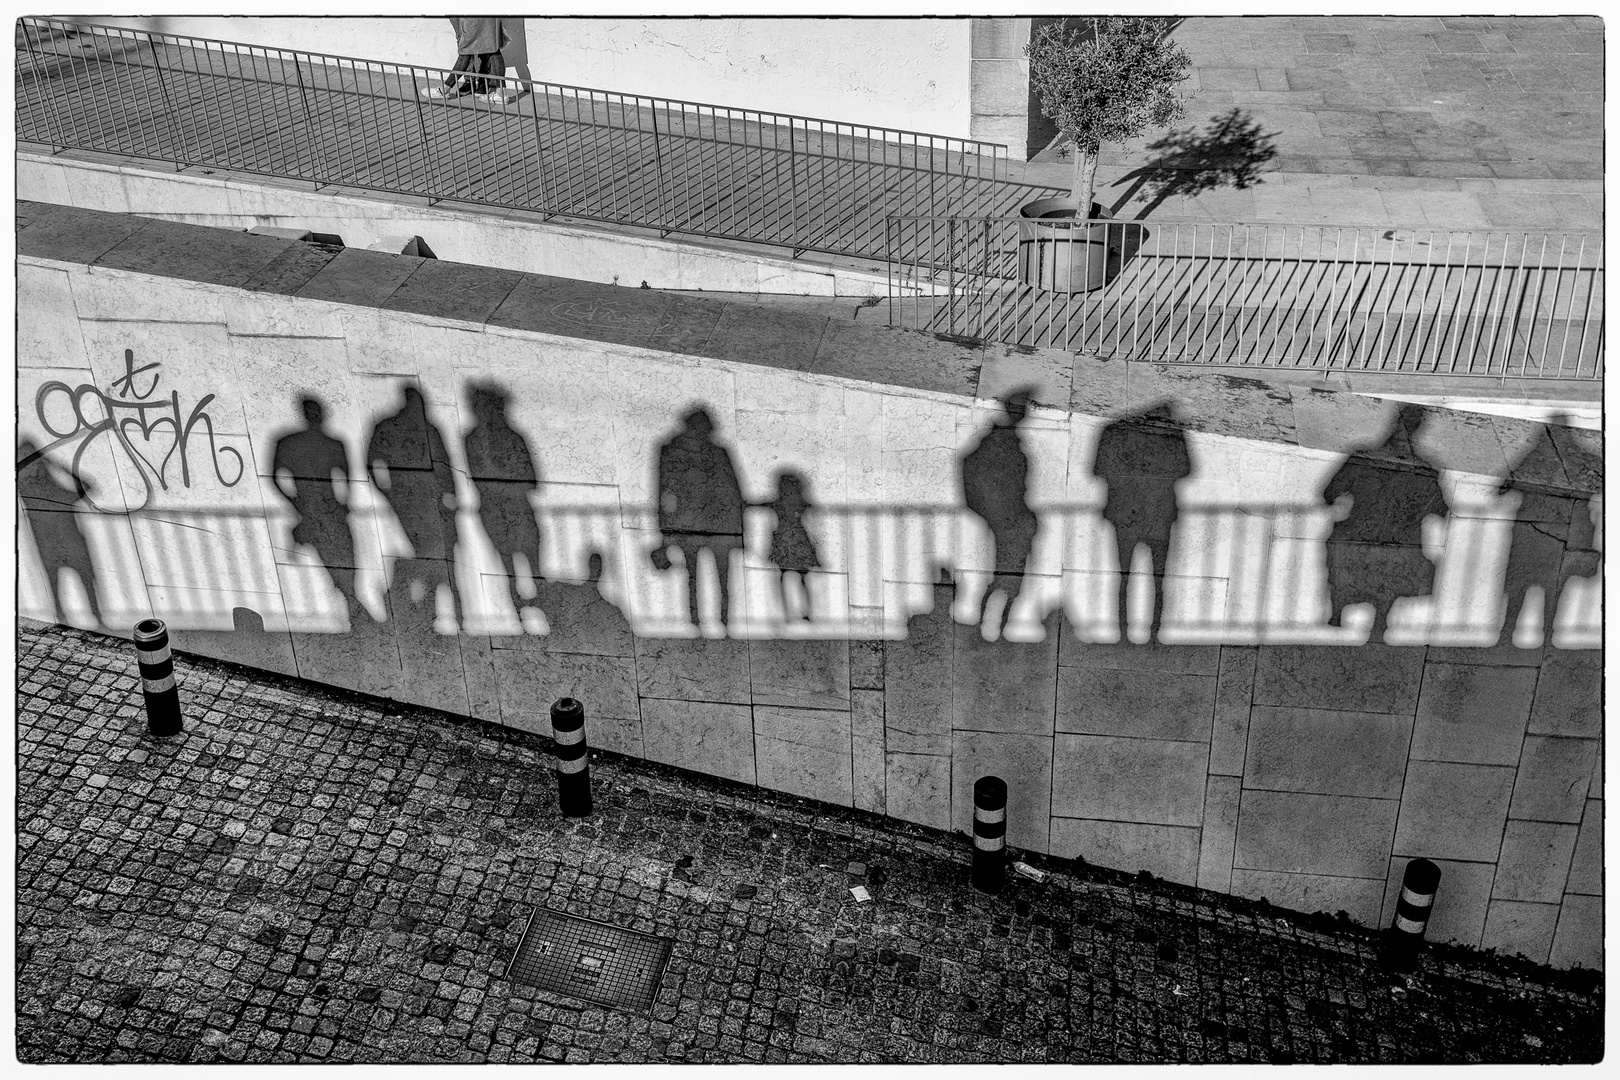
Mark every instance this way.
x=307 y=876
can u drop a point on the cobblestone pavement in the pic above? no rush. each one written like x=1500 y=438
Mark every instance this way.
x=310 y=876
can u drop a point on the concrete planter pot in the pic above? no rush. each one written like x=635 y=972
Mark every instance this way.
x=1057 y=252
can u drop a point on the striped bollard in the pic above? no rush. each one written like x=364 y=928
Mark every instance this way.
x=157 y=678
x=989 y=833
x=573 y=775
x=1418 y=887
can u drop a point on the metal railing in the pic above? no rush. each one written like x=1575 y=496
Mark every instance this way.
x=676 y=166
x=1494 y=304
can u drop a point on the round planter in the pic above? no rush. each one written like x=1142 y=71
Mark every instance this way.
x=1059 y=253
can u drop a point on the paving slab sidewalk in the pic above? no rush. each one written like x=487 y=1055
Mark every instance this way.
x=1491 y=122
x=310 y=876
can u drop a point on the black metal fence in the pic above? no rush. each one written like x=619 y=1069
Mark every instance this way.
x=1493 y=304
x=673 y=165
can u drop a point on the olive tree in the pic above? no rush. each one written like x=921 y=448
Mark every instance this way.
x=1108 y=80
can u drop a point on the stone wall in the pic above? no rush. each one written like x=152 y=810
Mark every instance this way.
x=1240 y=743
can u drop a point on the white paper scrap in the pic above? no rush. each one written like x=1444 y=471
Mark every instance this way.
x=860 y=894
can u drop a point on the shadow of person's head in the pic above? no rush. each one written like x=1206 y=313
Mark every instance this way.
x=698 y=423
x=314 y=412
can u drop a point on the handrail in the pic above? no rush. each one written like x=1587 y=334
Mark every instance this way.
x=740 y=174
x=1455 y=302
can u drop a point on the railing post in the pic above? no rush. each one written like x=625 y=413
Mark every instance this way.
x=180 y=161
x=658 y=165
x=540 y=147
x=58 y=137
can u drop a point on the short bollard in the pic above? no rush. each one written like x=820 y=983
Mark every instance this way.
x=1418 y=887
x=573 y=775
x=989 y=833
x=157 y=678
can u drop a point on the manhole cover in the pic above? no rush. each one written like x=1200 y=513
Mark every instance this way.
x=590 y=960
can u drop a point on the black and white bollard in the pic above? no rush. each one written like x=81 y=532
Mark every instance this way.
x=1419 y=884
x=573 y=775
x=157 y=678
x=989 y=833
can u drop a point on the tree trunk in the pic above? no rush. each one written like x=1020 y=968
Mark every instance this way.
x=1085 y=179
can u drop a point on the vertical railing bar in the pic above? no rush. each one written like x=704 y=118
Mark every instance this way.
x=1586 y=319
x=1462 y=330
x=1512 y=277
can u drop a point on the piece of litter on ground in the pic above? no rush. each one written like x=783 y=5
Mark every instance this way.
x=860 y=894
x=1029 y=871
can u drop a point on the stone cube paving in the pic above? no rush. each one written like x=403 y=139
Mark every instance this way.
x=306 y=875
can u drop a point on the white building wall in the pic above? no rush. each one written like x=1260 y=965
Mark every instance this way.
x=899 y=73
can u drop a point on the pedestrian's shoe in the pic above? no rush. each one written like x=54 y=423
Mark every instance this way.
x=439 y=92
x=495 y=97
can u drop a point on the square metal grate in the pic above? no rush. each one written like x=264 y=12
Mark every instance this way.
x=590 y=960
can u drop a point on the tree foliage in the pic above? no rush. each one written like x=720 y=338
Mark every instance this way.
x=1108 y=82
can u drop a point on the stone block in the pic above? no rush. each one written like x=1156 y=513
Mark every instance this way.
x=1569 y=694
x=867 y=748
x=693 y=669
x=752 y=334
x=1220 y=833
x=1515 y=928
x=1553 y=778
x=1357 y=897
x=1024 y=762
x=918 y=361
x=1534 y=863
x=1297 y=833
x=72 y=234
x=804 y=752
x=1004 y=685
x=705 y=736
x=1453 y=811
x=622 y=735
x=1150 y=656
x=1138 y=704
x=1460 y=903
x=919 y=788
x=917 y=679
x=1327 y=752
x=365 y=659
x=1578 y=940
x=439 y=289
x=194 y=253
x=1166 y=851
x=1586 y=865
x=1472 y=713
x=803 y=673
x=364 y=278
x=247 y=642
x=1234 y=694
x=866 y=665
x=1153 y=781
x=1371 y=678
x=527 y=682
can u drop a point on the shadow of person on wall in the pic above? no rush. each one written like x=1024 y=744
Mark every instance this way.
x=407 y=461
x=700 y=506
x=1545 y=525
x=1230 y=153
x=310 y=469
x=1140 y=457
x=995 y=486
x=503 y=472
x=50 y=496
x=1375 y=549
x=792 y=550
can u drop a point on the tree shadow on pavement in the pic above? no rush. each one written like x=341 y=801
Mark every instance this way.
x=1231 y=153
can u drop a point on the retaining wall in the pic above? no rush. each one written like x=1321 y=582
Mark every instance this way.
x=1250 y=747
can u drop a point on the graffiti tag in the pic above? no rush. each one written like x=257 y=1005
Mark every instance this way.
x=129 y=410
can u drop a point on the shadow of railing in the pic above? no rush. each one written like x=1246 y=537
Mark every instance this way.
x=1237 y=574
